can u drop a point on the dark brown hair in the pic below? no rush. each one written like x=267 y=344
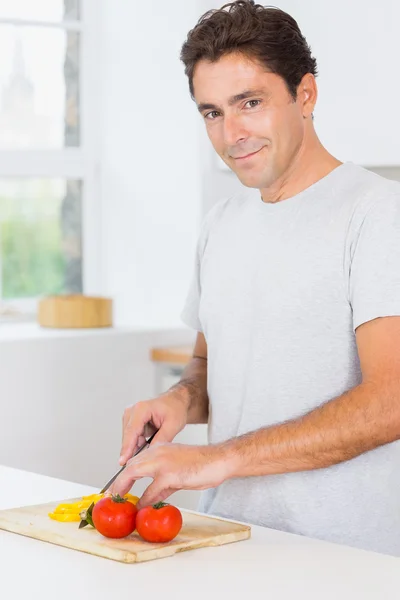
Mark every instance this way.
x=264 y=33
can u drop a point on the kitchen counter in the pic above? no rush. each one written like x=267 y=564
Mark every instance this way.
x=274 y=564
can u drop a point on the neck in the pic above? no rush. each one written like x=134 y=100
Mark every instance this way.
x=311 y=163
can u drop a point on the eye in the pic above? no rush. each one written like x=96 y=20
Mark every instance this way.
x=212 y=115
x=253 y=103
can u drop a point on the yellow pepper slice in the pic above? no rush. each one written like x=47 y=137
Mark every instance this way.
x=67 y=512
x=71 y=508
x=130 y=498
x=65 y=518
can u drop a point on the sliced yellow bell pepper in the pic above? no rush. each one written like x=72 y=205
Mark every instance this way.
x=133 y=499
x=65 y=518
x=71 y=508
x=67 y=512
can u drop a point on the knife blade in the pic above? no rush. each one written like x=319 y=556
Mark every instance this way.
x=84 y=522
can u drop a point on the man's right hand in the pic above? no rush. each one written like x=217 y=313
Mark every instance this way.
x=167 y=413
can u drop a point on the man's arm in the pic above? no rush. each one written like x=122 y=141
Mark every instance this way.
x=193 y=383
x=360 y=420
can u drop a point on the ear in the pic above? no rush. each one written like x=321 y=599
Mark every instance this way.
x=307 y=94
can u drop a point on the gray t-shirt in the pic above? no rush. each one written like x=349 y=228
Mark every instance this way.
x=278 y=291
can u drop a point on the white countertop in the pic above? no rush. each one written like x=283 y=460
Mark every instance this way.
x=273 y=564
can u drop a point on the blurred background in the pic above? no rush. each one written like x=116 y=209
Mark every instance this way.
x=105 y=177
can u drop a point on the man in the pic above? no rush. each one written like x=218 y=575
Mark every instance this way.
x=296 y=301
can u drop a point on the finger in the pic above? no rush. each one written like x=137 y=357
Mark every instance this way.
x=136 y=469
x=149 y=429
x=121 y=487
x=141 y=441
x=157 y=491
x=135 y=418
x=122 y=484
x=125 y=419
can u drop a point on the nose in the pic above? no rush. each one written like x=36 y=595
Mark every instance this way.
x=234 y=133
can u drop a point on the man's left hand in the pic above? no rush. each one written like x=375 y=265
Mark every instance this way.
x=173 y=467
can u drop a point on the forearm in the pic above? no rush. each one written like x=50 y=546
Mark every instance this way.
x=358 y=421
x=193 y=386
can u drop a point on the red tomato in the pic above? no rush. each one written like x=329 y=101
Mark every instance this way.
x=114 y=517
x=159 y=523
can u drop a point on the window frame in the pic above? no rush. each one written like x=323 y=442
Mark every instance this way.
x=82 y=162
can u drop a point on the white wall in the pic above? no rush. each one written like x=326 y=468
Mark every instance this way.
x=357 y=46
x=151 y=179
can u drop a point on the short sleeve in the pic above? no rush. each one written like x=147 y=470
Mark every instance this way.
x=374 y=284
x=190 y=313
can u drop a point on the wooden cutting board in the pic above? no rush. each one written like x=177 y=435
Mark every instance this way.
x=198 y=531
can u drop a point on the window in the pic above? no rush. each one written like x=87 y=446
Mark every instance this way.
x=48 y=163
x=40 y=237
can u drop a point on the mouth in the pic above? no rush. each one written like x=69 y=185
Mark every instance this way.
x=247 y=156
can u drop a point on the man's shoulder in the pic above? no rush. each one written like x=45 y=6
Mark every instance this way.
x=368 y=189
x=229 y=206
x=225 y=209
x=374 y=204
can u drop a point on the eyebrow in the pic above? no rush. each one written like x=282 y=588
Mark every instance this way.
x=232 y=100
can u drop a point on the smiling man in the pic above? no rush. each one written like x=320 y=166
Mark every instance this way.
x=295 y=298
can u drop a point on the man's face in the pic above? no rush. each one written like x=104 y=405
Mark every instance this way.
x=252 y=120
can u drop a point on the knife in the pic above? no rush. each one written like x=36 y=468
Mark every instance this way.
x=84 y=522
